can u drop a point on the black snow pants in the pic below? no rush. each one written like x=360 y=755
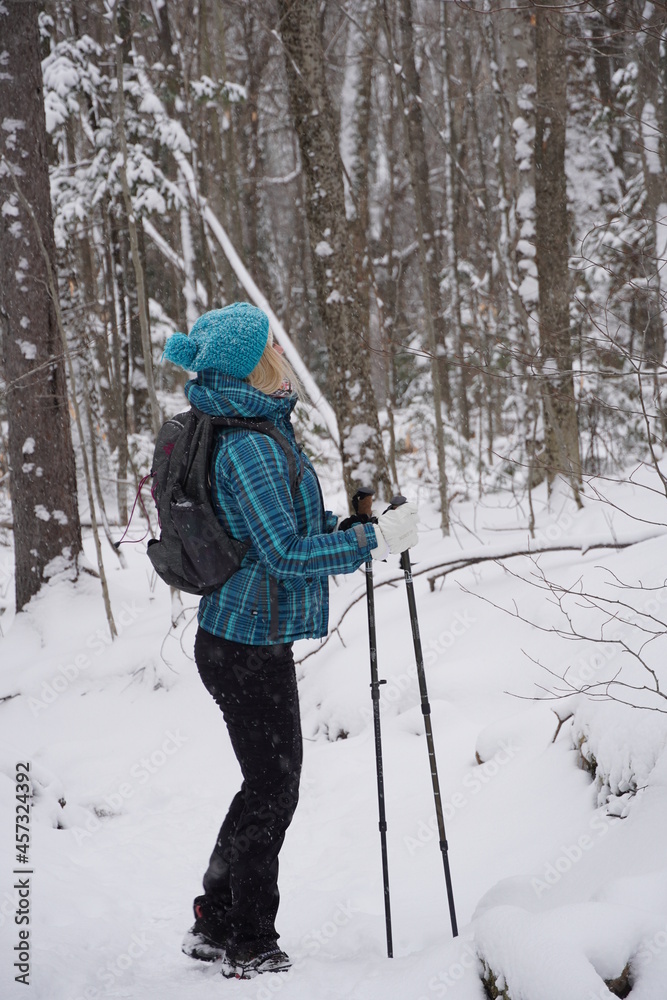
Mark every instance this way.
x=255 y=686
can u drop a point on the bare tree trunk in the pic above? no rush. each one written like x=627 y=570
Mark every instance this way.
x=516 y=323
x=409 y=102
x=256 y=45
x=453 y=203
x=119 y=354
x=507 y=235
x=43 y=474
x=386 y=274
x=355 y=140
x=189 y=283
x=512 y=63
x=483 y=308
x=207 y=160
x=649 y=301
x=137 y=263
x=230 y=192
x=607 y=36
x=332 y=249
x=431 y=264
x=135 y=384
x=552 y=251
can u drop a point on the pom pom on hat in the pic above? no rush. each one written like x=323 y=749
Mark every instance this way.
x=180 y=350
x=230 y=340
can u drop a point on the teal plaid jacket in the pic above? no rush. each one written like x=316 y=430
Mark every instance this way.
x=280 y=593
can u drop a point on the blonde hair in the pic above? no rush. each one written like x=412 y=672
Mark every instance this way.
x=272 y=370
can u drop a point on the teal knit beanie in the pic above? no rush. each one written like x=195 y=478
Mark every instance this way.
x=231 y=340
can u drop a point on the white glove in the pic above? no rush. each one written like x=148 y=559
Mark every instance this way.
x=396 y=530
x=381 y=551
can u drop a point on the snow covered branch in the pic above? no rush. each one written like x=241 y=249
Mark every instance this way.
x=217 y=229
x=489 y=553
x=497 y=554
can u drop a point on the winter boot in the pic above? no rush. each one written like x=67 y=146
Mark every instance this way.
x=206 y=938
x=244 y=965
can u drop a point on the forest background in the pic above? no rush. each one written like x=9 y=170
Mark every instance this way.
x=455 y=214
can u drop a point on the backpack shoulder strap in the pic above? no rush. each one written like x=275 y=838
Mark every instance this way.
x=295 y=468
x=294 y=465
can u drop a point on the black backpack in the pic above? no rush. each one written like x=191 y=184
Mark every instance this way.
x=194 y=552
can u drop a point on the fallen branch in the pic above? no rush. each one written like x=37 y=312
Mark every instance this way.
x=463 y=560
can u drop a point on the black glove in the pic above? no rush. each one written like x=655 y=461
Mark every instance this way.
x=349 y=522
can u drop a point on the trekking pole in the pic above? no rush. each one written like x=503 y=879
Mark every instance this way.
x=362 y=503
x=406 y=566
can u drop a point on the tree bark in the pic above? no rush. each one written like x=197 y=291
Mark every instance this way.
x=137 y=261
x=387 y=273
x=332 y=249
x=118 y=387
x=409 y=82
x=552 y=249
x=256 y=43
x=652 y=143
x=355 y=137
x=229 y=192
x=409 y=101
x=43 y=472
x=453 y=206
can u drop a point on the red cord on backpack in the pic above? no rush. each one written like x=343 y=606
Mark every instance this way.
x=134 y=541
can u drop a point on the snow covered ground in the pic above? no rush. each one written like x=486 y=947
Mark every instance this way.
x=560 y=874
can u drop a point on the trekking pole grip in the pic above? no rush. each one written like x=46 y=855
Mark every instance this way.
x=396 y=502
x=362 y=501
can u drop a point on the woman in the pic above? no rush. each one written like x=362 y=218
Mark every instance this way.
x=243 y=647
